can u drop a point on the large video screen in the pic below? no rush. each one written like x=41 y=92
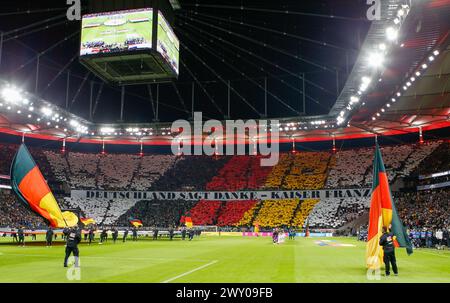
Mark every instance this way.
x=168 y=43
x=118 y=31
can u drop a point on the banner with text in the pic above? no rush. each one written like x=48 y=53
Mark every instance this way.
x=220 y=195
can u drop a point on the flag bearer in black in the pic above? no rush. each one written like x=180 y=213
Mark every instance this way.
x=49 y=236
x=65 y=233
x=155 y=233
x=72 y=240
x=387 y=241
x=134 y=234
x=21 y=236
x=33 y=234
x=191 y=234
x=125 y=235
x=115 y=235
x=91 y=235
x=171 y=233
x=103 y=235
x=183 y=233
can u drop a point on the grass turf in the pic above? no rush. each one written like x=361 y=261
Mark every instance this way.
x=214 y=259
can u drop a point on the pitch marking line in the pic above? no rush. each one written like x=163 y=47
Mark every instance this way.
x=430 y=253
x=190 y=272
x=104 y=257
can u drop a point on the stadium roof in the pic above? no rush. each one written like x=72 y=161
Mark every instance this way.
x=416 y=66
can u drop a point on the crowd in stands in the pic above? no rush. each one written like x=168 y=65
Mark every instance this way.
x=428 y=208
x=190 y=173
x=335 y=212
x=350 y=168
x=353 y=167
x=247 y=218
x=134 y=41
x=239 y=173
x=233 y=211
x=108 y=171
x=402 y=160
x=439 y=161
x=275 y=178
x=14 y=214
x=308 y=170
x=93 y=44
x=303 y=212
x=205 y=212
x=276 y=213
x=157 y=213
x=7 y=152
x=150 y=168
x=300 y=170
x=103 y=211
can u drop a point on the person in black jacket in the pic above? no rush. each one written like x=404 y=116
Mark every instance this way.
x=135 y=234
x=91 y=235
x=125 y=235
x=21 y=236
x=14 y=235
x=387 y=241
x=72 y=239
x=191 y=234
x=49 y=236
x=171 y=233
x=155 y=233
x=115 y=234
x=103 y=236
x=447 y=237
x=183 y=233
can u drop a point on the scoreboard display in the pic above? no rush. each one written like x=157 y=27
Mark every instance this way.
x=168 y=43
x=130 y=46
x=114 y=32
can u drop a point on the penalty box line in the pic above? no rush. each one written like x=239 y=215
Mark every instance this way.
x=190 y=272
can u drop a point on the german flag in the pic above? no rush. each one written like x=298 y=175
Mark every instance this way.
x=87 y=221
x=32 y=190
x=136 y=222
x=382 y=214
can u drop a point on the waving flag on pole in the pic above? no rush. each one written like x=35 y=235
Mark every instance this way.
x=382 y=214
x=136 y=222
x=188 y=222
x=87 y=221
x=30 y=187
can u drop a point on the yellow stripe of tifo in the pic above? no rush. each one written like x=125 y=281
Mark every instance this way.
x=374 y=253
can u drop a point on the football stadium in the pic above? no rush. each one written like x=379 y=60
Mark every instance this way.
x=215 y=142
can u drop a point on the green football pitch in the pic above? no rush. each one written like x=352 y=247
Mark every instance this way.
x=215 y=259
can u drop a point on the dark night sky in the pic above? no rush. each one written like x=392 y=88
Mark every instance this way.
x=202 y=34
